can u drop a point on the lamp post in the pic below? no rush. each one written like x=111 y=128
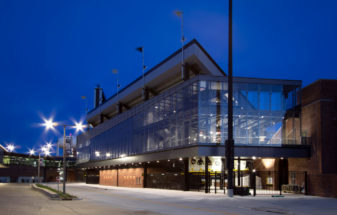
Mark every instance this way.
x=45 y=150
x=49 y=124
x=230 y=141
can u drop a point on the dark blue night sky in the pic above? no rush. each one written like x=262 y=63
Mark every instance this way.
x=54 y=52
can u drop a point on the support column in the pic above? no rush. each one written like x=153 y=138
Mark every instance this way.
x=117 y=177
x=222 y=178
x=187 y=175
x=119 y=107
x=206 y=176
x=239 y=172
x=145 y=176
x=218 y=114
x=145 y=94
x=186 y=72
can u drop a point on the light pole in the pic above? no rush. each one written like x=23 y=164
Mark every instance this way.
x=49 y=124
x=45 y=150
x=230 y=141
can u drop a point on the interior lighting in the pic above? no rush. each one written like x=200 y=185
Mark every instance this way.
x=254 y=158
x=262 y=138
x=97 y=153
x=180 y=159
x=268 y=162
x=108 y=154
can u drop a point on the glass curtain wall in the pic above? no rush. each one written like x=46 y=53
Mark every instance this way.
x=195 y=112
x=260 y=113
x=169 y=120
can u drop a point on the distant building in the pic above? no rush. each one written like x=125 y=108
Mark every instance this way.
x=167 y=130
x=23 y=168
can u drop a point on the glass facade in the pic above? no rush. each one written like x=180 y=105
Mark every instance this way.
x=195 y=112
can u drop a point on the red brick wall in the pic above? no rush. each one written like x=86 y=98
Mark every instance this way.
x=319 y=122
x=322 y=185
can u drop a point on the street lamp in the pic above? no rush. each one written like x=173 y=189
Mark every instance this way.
x=45 y=150
x=31 y=152
x=49 y=124
x=229 y=144
x=10 y=147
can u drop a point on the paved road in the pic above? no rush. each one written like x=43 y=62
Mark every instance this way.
x=95 y=199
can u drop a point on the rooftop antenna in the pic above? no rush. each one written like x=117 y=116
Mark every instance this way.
x=141 y=50
x=115 y=71
x=86 y=103
x=180 y=14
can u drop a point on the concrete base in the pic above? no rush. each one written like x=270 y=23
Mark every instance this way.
x=230 y=192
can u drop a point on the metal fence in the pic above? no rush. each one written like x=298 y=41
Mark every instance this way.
x=253 y=183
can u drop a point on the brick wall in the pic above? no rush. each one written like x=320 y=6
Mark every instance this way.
x=319 y=122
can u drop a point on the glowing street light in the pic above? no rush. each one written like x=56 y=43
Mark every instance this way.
x=31 y=152
x=10 y=147
x=49 y=124
x=79 y=126
x=46 y=149
x=49 y=145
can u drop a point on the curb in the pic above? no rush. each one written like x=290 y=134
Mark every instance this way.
x=47 y=193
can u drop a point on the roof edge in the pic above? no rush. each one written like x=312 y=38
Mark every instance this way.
x=193 y=41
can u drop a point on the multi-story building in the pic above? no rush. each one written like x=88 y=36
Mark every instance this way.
x=23 y=168
x=168 y=128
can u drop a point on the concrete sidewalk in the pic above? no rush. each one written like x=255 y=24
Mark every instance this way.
x=180 y=202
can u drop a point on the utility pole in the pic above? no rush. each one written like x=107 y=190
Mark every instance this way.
x=230 y=141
